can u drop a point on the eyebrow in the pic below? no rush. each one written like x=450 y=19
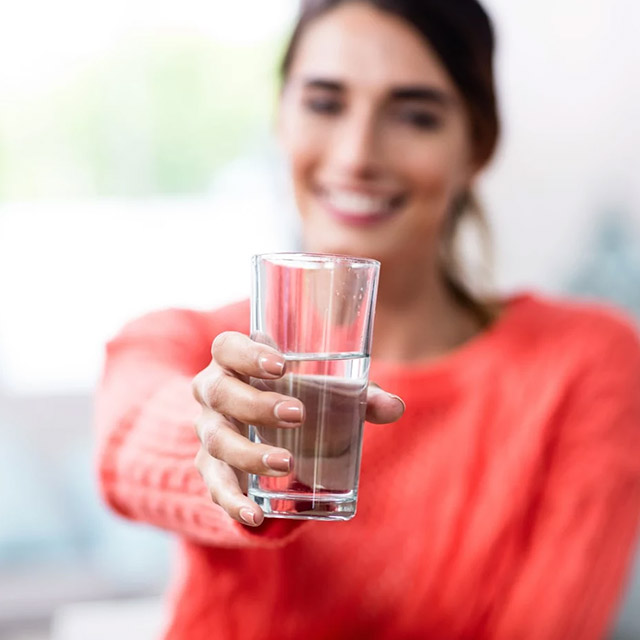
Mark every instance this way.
x=423 y=93
x=320 y=83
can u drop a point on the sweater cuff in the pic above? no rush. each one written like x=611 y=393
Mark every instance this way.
x=174 y=405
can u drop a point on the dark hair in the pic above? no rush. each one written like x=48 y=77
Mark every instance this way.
x=461 y=34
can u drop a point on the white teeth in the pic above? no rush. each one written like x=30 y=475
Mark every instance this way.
x=357 y=203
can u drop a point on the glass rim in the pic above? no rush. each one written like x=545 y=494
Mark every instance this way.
x=300 y=257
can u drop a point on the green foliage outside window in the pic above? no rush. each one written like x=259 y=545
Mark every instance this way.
x=154 y=116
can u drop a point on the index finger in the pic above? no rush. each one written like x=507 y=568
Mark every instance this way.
x=237 y=353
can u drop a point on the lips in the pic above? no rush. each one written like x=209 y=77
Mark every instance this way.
x=359 y=207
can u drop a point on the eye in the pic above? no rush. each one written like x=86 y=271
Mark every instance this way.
x=420 y=119
x=323 y=106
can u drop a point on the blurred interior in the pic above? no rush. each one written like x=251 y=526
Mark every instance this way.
x=124 y=127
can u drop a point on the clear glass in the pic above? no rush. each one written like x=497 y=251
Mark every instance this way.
x=318 y=311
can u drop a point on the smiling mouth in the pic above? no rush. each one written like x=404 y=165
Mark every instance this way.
x=359 y=208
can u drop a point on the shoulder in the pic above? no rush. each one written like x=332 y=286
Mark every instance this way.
x=578 y=369
x=187 y=324
x=577 y=329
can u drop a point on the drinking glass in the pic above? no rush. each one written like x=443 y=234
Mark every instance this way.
x=317 y=310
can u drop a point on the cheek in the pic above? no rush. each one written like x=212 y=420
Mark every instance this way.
x=435 y=173
x=435 y=170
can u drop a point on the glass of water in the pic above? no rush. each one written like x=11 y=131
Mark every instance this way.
x=317 y=310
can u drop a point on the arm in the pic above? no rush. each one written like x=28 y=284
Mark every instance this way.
x=582 y=537
x=145 y=414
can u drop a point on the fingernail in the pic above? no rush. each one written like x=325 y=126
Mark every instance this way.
x=277 y=461
x=289 y=411
x=272 y=363
x=247 y=515
x=404 y=406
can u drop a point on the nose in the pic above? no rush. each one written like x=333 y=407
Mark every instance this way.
x=355 y=149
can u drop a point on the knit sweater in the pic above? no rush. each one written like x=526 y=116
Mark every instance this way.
x=503 y=505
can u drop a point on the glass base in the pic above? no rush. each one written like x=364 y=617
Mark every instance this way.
x=295 y=506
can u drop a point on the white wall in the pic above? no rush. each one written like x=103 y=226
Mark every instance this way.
x=569 y=79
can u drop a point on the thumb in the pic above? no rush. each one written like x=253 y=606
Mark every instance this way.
x=383 y=407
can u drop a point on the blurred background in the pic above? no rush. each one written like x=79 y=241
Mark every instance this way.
x=138 y=171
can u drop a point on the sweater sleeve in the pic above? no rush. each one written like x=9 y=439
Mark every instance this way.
x=583 y=532
x=144 y=415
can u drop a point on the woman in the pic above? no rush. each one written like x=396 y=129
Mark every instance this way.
x=504 y=502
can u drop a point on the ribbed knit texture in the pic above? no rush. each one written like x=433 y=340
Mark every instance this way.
x=504 y=504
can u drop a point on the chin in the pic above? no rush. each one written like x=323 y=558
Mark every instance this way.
x=323 y=235
x=359 y=248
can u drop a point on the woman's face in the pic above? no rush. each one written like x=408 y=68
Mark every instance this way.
x=376 y=135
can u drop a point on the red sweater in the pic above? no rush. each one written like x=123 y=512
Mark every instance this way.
x=504 y=504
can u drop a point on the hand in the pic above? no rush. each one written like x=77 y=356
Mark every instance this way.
x=230 y=403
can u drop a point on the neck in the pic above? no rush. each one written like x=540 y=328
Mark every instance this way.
x=416 y=317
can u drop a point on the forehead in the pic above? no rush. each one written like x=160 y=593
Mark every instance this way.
x=366 y=47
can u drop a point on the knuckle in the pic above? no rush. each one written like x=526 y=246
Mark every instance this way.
x=214 y=390
x=199 y=426
x=253 y=406
x=214 y=495
x=199 y=461
x=251 y=462
x=218 y=343
x=259 y=415
x=212 y=440
x=195 y=387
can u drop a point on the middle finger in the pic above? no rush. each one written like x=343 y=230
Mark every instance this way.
x=235 y=398
x=222 y=441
